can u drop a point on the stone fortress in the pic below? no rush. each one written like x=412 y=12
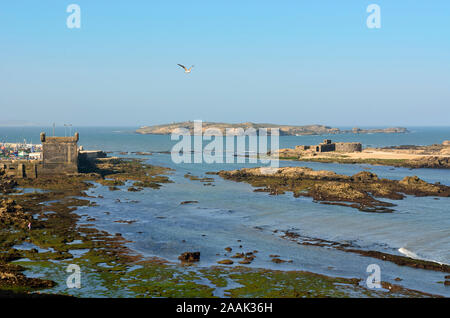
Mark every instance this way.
x=326 y=146
x=60 y=155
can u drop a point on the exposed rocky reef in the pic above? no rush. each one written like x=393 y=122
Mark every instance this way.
x=13 y=214
x=362 y=190
x=434 y=162
x=429 y=162
x=434 y=149
x=115 y=171
x=7 y=184
x=348 y=247
x=61 y=235
x=47 y=221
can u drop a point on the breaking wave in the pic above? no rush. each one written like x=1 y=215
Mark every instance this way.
x=411 y=254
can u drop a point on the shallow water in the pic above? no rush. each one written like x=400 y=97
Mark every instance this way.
x=124 y=138
x=230 y=211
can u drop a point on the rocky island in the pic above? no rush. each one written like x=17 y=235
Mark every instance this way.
x=285 y=130
x=409 y=156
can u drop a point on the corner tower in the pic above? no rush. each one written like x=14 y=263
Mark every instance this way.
x=59 y=154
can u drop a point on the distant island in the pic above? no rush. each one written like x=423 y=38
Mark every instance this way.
x=285 y=130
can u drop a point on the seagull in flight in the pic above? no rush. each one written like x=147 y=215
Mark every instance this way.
x=186 y=70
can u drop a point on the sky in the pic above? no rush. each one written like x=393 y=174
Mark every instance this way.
x=284 y=62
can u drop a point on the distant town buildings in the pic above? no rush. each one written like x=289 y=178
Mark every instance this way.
x=56 y=155
x=24 y=151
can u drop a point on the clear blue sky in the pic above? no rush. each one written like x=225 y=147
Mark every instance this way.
x=293 y=62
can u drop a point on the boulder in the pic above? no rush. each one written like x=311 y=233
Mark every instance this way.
x=189 y=257
x=364 y=176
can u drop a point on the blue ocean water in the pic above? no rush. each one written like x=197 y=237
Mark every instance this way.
x=229 y=211
x=125 y=138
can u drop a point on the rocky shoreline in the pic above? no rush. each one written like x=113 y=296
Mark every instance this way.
x=432 y=162
x=50 y=220
x=396 y=259
x=360 y=191
x=47 y=220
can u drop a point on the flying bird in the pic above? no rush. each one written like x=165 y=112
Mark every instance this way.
x=186 y=70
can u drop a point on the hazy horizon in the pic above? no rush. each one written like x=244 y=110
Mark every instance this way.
x=61 y=125
x=296 y=63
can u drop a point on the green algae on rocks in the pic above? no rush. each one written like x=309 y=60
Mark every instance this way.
x=47 y=223
x=110 y=269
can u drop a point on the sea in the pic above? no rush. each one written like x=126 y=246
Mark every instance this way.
x=230 y=214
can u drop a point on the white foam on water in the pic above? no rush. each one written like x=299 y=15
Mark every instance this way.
x=411 y=254
x=408 y=253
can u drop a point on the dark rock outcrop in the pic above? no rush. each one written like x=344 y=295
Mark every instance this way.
x=189 y=257
x=13 y=214
x=361 y=191
x=6 y=184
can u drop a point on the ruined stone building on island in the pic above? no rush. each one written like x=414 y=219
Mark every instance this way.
x=327 y=146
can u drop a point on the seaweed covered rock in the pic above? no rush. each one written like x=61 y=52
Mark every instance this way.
x=284 y=172
x=420 y=187
x=6 y=184
x=12 y=214
x=431 y=162
x=362 y=191
x=11 y=277
x=364 y=176
x=337 y=191
x=189 y=257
